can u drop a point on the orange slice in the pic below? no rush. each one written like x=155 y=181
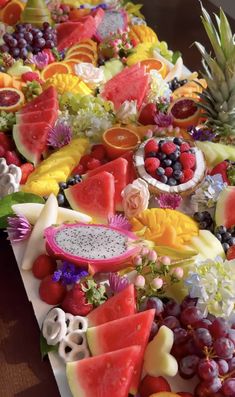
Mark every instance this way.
x=54 y=68
x=87 y=42
x=71 y=63
x=155 y=64
x=81 y=56
x=119 y=140
x=185 y=112
x=11 y=13
x=88 y=50
x=75 y=15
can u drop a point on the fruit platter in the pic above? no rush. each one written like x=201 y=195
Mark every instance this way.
x=117 y=188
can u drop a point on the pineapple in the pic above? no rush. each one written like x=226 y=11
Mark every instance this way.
x=218 y=100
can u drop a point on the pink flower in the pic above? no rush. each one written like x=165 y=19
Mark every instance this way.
x=41 y=60
x=152 y=256
x=165 y=260
x=169 y=200
x=157 y=283
x=18 y=228
x=137 y=261
x=177 y=272
x=119 y=221
x=135 y=198
x=140 y=281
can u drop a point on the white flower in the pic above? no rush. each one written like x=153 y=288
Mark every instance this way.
x=135 y=197
x=158 y=88
x=127 y=112
x=89 y=73
x=207 y=195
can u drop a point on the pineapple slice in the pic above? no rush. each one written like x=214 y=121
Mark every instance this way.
x=143 y=34
x=141 y=52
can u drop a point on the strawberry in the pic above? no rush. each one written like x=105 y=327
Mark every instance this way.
x=3 y=3
x=75 y=302
x=93 y=163
x=78 y=170
x=147 y=114
x=168 y=147
x=151 y=146
x=98 y=152
x=187 y=175
x=231 y=253
x=50 y=55
x=168 y=171
x=153 y=384
x=151 y=164
x=30 y=76
x=6 y=141
x=51 y=292
x=43 y=266
x=184 y=394
x=2 y=151
x=84 y=160
x=184 y=147
x=221 y=168
x=12 y=158
x=26 y=169
x=187 y=160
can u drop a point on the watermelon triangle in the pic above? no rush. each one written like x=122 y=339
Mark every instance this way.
x=49 y=93
x=70 y=33
x=108 y=375
x=131 y=171
x=49 y=116
x=51 y=104
x=124 y=332
x=118 y=168
x=94 y=196
x=118 y=306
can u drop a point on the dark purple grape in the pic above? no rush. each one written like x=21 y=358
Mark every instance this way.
x=48 y=36
x=38 y=35
x=4 y=48
x=171 y=322
x=34 y=31
x=155 y=303
x=39 y=42
x=23 y=53
x=224 y=348
x=28 y=27
x=15 y=52
x=154 y=330
x=6 y=37
x=188 y=301
x=49 y=44
x=207 y=369
x=223 y=366
x=28 y=37
x=22 y=43
x=219 y=327
x=202 y=337
x=231 y=364
x=45 y=25
x=188 y=366
x=229 y=387
x=20 y=27
x=211 y=386
x=36 y=50
x=191 y=315
x=172 y=308
x=12 y=42
x=180 y=335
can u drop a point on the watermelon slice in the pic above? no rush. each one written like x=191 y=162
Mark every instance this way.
x=124 y=332
x=49 y=93
x=120 y=305
x=108 y=375
x=51 y=104
x=70 y=33
x=131 y=171
x=224 y=213
x=31 y=139
x=111 y=23
x=118 y=168
x=94 y=196
x=49 y=116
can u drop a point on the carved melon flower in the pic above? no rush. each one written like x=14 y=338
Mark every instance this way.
x=18 y=228
x=60 y=135
x=135 y=198
x=213 y=283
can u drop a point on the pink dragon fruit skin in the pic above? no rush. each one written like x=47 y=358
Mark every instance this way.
x=100 y=248
x=111 y=22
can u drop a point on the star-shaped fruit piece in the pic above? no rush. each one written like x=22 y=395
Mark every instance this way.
x=157 y=358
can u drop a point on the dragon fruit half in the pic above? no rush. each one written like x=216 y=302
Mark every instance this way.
x=111 y=23
x=99 y=247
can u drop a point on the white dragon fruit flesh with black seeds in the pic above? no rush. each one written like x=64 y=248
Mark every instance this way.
x=99 y=247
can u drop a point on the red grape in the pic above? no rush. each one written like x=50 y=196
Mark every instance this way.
x=172 y=308
x=207 y=369
x=188 y=366
x=224 y=348
x=229 y=387
x=219 y=328
x=191 y=315
x=222 y=366
x=188 y=301
x=180 y=335
x=171 y=322
x=155 y=303
x=202 y=337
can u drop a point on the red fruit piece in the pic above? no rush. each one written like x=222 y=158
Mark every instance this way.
x=184 y=394
x=43 y=266
x=231 y=253
x=151 y=164
x=187 y=175
x=75 y=302
x=84 y=160
x=168 y=148
x=50 y=55
x=221 y=168
x=12 y=158
x=30 y=76
x=147 y=114
x=98 y=152
x=6 y=141
x=2 y=151
x=51 y=292
x=153 y=384
x=187 y=160
x=26 y=170
x=168 y=171
x=78 y=170
x=93 y=163
x=184 y=147
x=151 y=146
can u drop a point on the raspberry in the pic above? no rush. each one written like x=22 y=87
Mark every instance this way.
x=78 y=170
x=12 y=158
x=187 y=160
x=51 y=292
x=168 y=147
x=151 y=164
x=30 y=76
x=187 y=175
x=26 y=170
x=151 y=146
x=43 y=266
x=98 y=152
x=6 y=141
x=93 y=163
x=231 y=253
x=2 y=151
x=148 y=114
x=84 y=160
x=184 y=147
x=168 y=171
x=75 y=302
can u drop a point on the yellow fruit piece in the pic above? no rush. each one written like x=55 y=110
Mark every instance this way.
x=190 y=89
x=56 y=168
x=165 y=227
x=68 y=83
x=141 y=52
x=143 y=34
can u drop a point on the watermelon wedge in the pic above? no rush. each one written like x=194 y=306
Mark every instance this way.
x=49 y=116
x=120 y=305
x=131 y=171
x=124 y=332
x=51 y=104
x=108 y=375
x=70 y=33
x=94 y=196
x=31 y=139
x=118 y=168
x=49 y=93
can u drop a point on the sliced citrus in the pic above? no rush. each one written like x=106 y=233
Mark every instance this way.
x=71 y=63
x=11 y=99
x=54 y=68
x=11 y=13
x=185 y=112
x=81 y=56
x=87 y=50
x=88 y=42
x=76 y=15
x=155 y=64
x=119 y=140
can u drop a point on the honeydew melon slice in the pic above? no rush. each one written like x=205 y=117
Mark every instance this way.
x=216 y=152
x=207 y=245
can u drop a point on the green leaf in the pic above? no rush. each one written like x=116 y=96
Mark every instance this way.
x=45 y=348
x=175 y=56
x=15 y=198
x=225 y=34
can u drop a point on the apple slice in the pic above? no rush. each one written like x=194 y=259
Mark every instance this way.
x=157 y=358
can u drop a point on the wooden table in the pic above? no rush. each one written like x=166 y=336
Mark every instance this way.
x=22 y=373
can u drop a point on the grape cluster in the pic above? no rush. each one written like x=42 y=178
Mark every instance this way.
x=28 y=39
x=202 y=346
x=176 y=83
x=225 y=236
x=205 y=220
x=73 y=180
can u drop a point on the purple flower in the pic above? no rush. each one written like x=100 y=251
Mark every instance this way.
x=18 y=228
x=60 y=135
x=169 y=200
x=41 y=60
x=69 y=274
x=201 y=134
x=117 y=283
x=119 y=221
x=163 y=120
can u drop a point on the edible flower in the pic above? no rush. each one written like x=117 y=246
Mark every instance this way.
x=60 y=135
x=213 y=283
x=167 y=200
x=18 y=228
x=207 y=194
x=201 y=134
x=69 y=274
x=135 y=197
x=127 y=113
x=117 y=283
x=119 y=221
x=89 y=73
x=41 y=60
x=158 y=88
x=163 y=120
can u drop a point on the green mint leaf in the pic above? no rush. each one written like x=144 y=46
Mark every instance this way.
x=45 y=348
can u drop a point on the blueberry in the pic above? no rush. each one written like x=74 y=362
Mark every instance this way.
x=71 y=181
x=63 y=185
x=167 y=162
x=174 y=156
x=218 y=236
x=151 y=154
x=164 y=179
x=161 y=142
x=77 y=178
x=199 y=216
x=177 y=174
x=221 y=229
x=225 y=246
x=177 y=166
x=60 y=199
x=177 y=141
x=161 y=156
x=171 y=182
x=226 y=236
x=160 y=171
x=203 y=225
x=231 y=241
